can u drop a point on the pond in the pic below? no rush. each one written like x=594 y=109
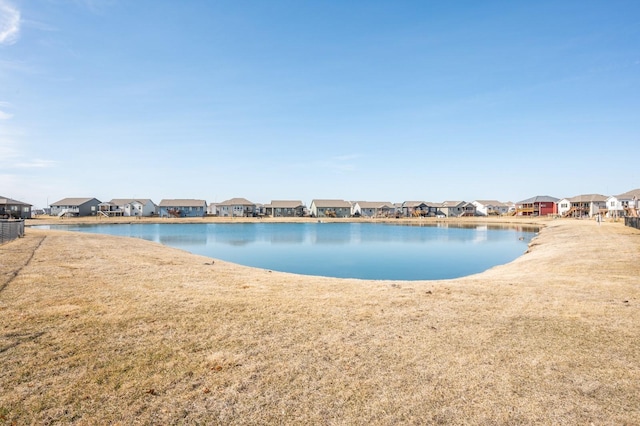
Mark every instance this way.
x=343 y=250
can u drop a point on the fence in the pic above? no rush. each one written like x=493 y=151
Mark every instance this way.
x=634 y=222
x=10 y=230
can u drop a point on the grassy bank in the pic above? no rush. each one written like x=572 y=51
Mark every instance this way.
x=98 y=329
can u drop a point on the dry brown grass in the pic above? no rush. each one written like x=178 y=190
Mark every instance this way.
x=159 y=336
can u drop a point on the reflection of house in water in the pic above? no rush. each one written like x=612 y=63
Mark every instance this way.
x=330 y=233
x=239 y=234
x=184 y=239
x=287 y=236
x=481 y=234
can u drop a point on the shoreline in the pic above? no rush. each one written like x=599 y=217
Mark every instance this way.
x=95 y=330
x=49 y=220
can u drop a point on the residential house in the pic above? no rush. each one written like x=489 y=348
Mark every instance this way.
x=418 y=209
x=182 y=208
x=491 y=207
x=373 y=209
x=540 y=205
x=457 y=209
x=212 y=209
x=397 y=209
x=75 y=207
x=626 y=204
x=285 y=208
x=14 y=209
x=128 y=207
x=330 y=208
x=237 y=207
x=583 y=205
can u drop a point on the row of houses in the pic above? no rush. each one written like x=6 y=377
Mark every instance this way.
x=589 y=205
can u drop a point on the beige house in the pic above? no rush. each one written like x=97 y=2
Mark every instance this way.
x=236 y=207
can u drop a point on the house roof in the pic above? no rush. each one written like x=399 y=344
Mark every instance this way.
x=629 y=195
x=123 y=201
x=588 y=198
x=182 y=203
x=539 y=199
x=285 y=204
x=331 y=203
x=73 y=201
x=6 y=201
x=237 y=202
x=494 y=203
x=413 y=203
x=453 y=203
x=374 y=204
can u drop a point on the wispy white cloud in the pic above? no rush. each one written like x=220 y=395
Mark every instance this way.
x=12 y=158
x=36 y=163
x=4 y=115
x=9 y=23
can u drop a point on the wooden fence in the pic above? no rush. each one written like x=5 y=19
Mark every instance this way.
x=10 y=230
x=634 y=222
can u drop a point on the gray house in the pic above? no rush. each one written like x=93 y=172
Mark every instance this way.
x=75 y=207
x=457 y=209
x=285 y=208
x=373 y=209
x=14 y=209
x=418 y=209
x=182 y=208
x=330 y=208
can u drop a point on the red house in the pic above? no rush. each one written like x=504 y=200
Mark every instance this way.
x=541 y=205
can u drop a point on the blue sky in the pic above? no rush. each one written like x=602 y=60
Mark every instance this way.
x=358 y=100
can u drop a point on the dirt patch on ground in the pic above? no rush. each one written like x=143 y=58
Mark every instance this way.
x=97 y=329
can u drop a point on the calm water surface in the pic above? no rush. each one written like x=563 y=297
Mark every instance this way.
x=343 y=250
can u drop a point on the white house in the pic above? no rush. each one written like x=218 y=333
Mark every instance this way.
x=626 y=204
x=142 y=207
x=582 y=205
x=491 y=207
